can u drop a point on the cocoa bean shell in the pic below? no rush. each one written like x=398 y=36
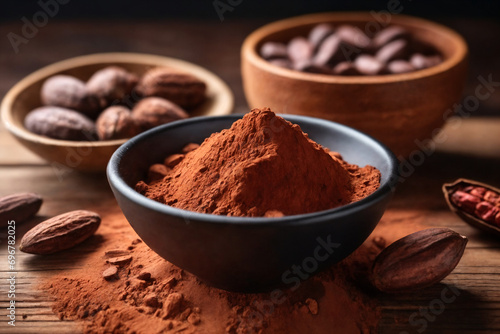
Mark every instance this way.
x=60 y=232
x=418 y=260
x=450 y=188
x=19 y=207
x=181 y=88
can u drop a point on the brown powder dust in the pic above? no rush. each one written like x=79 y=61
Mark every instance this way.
x=262 y=164
x=149 y=295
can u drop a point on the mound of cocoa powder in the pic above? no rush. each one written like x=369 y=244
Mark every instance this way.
x=262 y=165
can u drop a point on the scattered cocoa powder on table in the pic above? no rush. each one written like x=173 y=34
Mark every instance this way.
x=149 y=295
x=263 y=165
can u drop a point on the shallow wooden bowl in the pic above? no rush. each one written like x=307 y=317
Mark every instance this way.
x=399 y=109
x=87 y=155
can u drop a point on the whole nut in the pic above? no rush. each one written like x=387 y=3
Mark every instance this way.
x=116 y=122
x=60 y=123
x=19 y=207
x=181 y=88
x=68 y=92
x=154 y=111
x=111 y=84
x=60 y=232
x=418 y=260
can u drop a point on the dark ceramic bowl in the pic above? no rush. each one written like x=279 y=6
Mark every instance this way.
x=243 y=253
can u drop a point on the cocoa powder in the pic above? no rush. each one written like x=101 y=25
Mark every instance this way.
x=132 y=298
x=262 y=164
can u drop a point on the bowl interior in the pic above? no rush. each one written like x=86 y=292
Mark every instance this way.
x=25 y=95
x=129 y=164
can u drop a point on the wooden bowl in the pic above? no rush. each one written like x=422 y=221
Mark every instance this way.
x=398 y=109
x=94 y=155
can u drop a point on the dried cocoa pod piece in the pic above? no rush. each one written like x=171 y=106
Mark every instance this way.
x=154 y=111
x=474 y=210
x=418 y=260
x=183 y=89
x=116 y=122
x=319 y=33
x=368 y=65
x=273 y=50
x=400 y=66
x=354 y=36
x=19 y=207
x=388 y=35
x=329 y=51
x=419 y=61
x=299 y=49
x=397 y=49
x=60 y=123
x=60 y=232
x=69 y=92
x=111 y=84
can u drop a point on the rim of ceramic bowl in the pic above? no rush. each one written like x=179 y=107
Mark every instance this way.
x=117 y=182
x=224 y=105
x=249 y=48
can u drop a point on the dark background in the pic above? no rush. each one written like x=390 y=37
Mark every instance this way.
x=14 y=10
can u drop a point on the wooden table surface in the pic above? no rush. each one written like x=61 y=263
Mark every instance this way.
x=472 y=150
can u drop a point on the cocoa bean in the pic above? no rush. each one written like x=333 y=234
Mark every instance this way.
x=116 y=122
x=19 y=207
x=154 y=111
x=418 y=260
x=111 y=84
x=60 y=123
x=60 y=232
x=181 y=88
x=69 y=92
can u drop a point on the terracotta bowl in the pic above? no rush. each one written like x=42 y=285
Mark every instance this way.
x=397 y=109
x=94 y=155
